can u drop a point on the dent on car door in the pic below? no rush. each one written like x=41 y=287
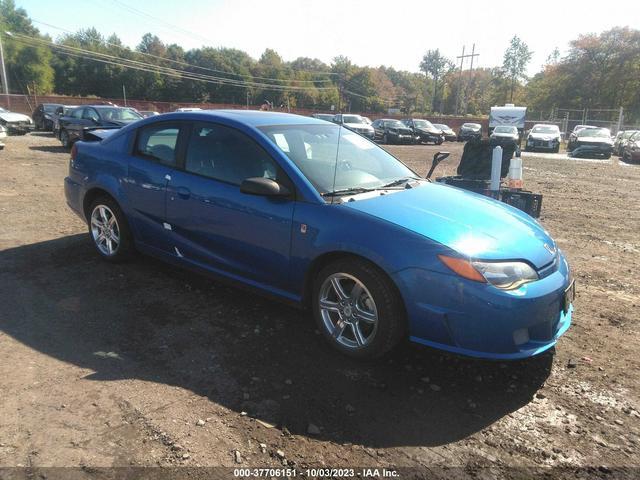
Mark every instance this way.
x=216 y=226
x=151 y=164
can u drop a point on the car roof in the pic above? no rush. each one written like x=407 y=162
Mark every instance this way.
x=254 y=118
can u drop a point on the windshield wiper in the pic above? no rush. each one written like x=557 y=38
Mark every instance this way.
x=400 y=181
x=347 y=191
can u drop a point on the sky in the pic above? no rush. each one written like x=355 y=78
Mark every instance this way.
x=369 y=32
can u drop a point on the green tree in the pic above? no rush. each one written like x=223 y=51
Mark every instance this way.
x=514 y=64
x=27 y=61
x=435 y=66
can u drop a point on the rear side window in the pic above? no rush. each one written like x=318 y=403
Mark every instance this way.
x=226 y=154
x=158 y=142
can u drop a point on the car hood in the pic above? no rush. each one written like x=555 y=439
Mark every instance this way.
x=14 y=117
x=544 y=136
x=362 y=126
x=473 y=225
x=433 y=131
x=594 y=140
x=504 y=135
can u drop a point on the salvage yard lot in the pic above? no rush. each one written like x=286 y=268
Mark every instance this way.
x=144 y=364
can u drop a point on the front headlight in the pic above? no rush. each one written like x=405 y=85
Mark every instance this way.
x=506 y=275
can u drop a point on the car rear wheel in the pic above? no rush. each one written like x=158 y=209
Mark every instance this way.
x=357 y=309
x=109 y=230
x=64 y=139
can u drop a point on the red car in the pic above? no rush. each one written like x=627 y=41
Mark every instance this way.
x=631 y=150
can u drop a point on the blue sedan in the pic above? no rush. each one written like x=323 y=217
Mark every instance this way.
x=315 y=214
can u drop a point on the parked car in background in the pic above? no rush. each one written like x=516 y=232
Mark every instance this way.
x=424 y=131
x=355 y=123
x=60 y=111
x=468 y=131
x=86 y=117
x=589 y=142
x=504 y=134
x=15 y=123
x=327 y=117
x=314 y=214
x=390 y=130
x=544 y=137
x=148 y=113
x=621 y=140
x=188 y=109
x=631 y=149
x=43 y=116
x=447 y=131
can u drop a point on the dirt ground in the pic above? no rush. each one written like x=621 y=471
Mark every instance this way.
x=143 y=364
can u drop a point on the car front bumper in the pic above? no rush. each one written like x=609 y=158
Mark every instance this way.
x=589 y=150
x=542 y=144
x=18 y=129
x=401 y=138
x=479 y=320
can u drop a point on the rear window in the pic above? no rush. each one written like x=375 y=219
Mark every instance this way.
x=158 y=142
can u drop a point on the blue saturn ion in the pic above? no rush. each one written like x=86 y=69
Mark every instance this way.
x=318 y=215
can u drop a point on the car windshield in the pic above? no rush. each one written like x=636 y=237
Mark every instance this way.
x=422 y=123
x=122 y=114
x=317 y=149
x=441 y=126
x=50 y=108
x=3 y=110
x=394 y=124
x=628 y=133
x=594 y=132
x=352 y=119
x=545 y=129
x=471 y=125
x=504 y=129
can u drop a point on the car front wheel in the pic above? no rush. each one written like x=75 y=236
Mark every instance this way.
x=64 y=139
x=109 y=230
x=357 y=309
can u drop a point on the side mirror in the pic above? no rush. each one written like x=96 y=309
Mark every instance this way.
x=437 y=158
x=264 y=187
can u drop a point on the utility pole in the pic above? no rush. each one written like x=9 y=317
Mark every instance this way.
x=124 y=95
x=3 y=74
x=471 y=55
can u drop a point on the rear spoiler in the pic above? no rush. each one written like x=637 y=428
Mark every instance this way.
x=97 y=134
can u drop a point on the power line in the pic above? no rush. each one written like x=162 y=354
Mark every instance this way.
x=135 y=64
x=178 y=62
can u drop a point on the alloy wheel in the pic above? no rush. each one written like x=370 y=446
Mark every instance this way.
x=105 y=230
x=348 y=311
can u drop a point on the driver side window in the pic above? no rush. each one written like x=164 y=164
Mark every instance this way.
x=91 y=114
x=226 y=154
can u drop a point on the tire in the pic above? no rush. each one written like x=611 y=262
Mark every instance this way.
x=118 y=244
x=64 y=138
x=439 y=141
x=377 y=313
x=557 y=149
x=607 y=156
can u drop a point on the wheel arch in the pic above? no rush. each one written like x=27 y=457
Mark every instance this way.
x=326 y=258
x=90 y=197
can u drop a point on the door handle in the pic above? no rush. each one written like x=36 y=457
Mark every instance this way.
x=183 y=192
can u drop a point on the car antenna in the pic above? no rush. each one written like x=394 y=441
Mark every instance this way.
x=335 y=168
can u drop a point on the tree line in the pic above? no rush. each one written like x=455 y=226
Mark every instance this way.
x=598 y=71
